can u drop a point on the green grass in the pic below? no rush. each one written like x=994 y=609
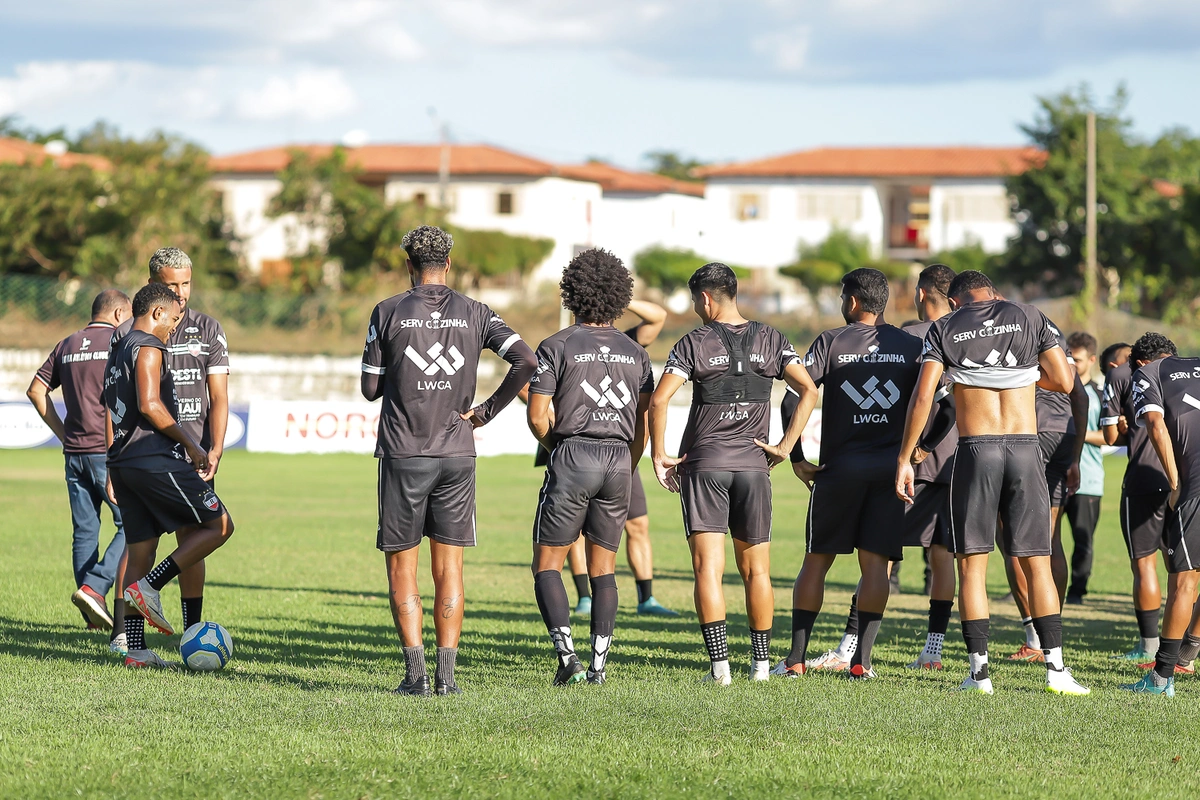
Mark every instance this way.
x=304 y=709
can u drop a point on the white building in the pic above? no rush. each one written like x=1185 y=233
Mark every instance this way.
x=907 y=202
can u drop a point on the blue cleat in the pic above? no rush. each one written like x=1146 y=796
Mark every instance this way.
x=1147 y=685
x=584 y=606
x=1136 y=654
x=655 y=609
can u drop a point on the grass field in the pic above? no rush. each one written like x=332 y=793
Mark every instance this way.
x=304 y=709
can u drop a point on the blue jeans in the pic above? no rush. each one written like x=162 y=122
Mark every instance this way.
x=86 y=479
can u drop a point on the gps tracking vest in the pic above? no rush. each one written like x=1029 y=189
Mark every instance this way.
x=739 y=384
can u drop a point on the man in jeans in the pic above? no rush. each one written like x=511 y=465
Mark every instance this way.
x=77 y=365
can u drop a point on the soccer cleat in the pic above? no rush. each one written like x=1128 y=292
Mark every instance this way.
x=444 y=689
x=719 y=680
x=760 y=674
x=147 y=659
x=571 y=672
x=1027 y=653
x=584 y=606
x=1180 y=669
x=1136 y=654
x=983 y=686
x=1063 y=682
x=926 y=661
x=782 y=670
x=655 y=609
x=1147 y=686
x=118 y=644
x=92 y=604
x=830 y=660
x=145 y=599
x=596 y=678
x=418 y=687
x=860 y=673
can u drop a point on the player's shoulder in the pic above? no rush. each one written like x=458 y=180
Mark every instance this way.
x=917 y=329
x=1153 y=371
x=203 y=323
x=694 y=337
x=559 y=339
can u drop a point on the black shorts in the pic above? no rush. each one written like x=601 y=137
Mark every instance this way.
x=720 y=502
x=845 y=515
x=999 y=476
x=1183 y=536
x=1058 y=453
x=1144 y=522
x=927 y=520
x=153 y=503
x=637 y=497
x=586 y=490
x=422 y=496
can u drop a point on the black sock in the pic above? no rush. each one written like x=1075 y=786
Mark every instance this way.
x=604 y=618
x=975 y=634
x=1190 y=649
x=581 y=585
x=852 y=619
x=414 y=663
x=193 y=607
x=1049 y=630
x=1147 y=622
x=760 y=644
x=802 y=625
x=645 y=589
x=556 y=612
x=446 y=656
x=939 y=615
x=161 y=575
x=1167 y=658
x=716 y=640
x=868 y=627
x=135 y=632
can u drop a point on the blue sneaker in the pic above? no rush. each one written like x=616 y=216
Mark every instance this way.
x=1147 y=686
x=584 y=606
x=1136 y=654
x=655 y=609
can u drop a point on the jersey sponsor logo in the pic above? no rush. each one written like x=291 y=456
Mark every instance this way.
x=810 y=358
x=190 y=408
x=990 y=328
x=434 y=322
x=872 y=394
x=93 y=355
x=191 y=329
x=85 y=344
x=720 y=361
x=605 y=356
x=872 y=356
x=437 y=360
x=1180 y=376
x=605 y=396
x=992 y=360
x=372 y=334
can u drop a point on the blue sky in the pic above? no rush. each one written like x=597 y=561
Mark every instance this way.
x=564 y=80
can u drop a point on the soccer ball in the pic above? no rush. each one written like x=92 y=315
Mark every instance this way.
x=206 y=646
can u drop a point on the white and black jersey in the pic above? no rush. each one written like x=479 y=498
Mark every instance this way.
x=1144 y=474
x=1171 y=386
x=938 y=464
x=426 y=343
x=136 y=442
x=1054 y=408
x=994 y=344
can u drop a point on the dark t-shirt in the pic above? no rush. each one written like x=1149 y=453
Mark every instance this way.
x=426 y=344
x=868 y=372
x=136 y=443
x=938 y=465
x=77 y=364
x=1144 y=473
x=1054 y=408
x=595 y=376
x=196 y=349
x=993 y=344
x=720 y=438
x=1171 y=386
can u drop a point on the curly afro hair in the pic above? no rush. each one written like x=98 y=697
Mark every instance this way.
x=427 y=246
x=1151 y=346
x=596 y=287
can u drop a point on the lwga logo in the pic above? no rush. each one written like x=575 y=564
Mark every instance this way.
x=604 y=397
x=872 y=395
x=437 y=358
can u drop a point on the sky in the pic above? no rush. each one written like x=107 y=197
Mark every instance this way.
x=565 y=80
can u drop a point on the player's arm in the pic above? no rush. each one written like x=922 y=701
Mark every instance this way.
x=39 y=394
x=522 y=363
x=664 y=465
x=942 y=421
x=540 y=419
x=919 y=406
x=151 y=406
x=796 y=377
x=641 y=428
x=1113 y=425
x=653 y=318
x=1161 y=439
x=1057 y=374
x=1113 y=434
x=218 y=420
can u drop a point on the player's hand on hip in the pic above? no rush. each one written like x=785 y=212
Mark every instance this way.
x=775 y=454
x=470 y=417
x=807 y=471
x=666 y=469
x=905 y=483
x=1072 y=479
x=199 y=458
x=918 y=455
x=214 y=459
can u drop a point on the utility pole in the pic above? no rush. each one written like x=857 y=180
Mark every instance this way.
x=443 y=130
x=1090 y=277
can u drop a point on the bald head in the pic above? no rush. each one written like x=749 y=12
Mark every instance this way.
x=111 y=306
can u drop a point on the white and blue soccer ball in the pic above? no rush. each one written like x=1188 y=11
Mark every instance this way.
x=206 y=646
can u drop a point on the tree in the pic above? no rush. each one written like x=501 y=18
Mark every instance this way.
x=673 y=165
x=669 y=269
x=823 y=264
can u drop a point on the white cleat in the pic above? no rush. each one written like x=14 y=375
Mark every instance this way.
x=147 y=659
x=145 y=599
x=1063 y=682
x=719 y=680
x=926 y=661
x=830 y=660
x=971 y=685
x=118 y=645
x=760 y=673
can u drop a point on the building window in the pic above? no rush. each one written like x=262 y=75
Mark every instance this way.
x=420 y=200
x=504 y=203
x=977 y=208
x=840 y=209
x=749 y=206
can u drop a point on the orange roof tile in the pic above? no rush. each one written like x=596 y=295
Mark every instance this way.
x=19 y=151
x=612 y=179
x=1166 y=188
x=392 y=159
x=886 y=162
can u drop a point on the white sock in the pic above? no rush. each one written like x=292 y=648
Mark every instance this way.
x=720 y=668
x=848 y=646
x=1054 y=659
x=1150 y=646
x=1031 y=637
x=933 y=644
x=760 y=666
x=978 y=664
x=600 y=645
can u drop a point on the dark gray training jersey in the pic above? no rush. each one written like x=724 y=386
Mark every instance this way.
x=136 y=443
x=994 y=344
x=595 y=376
x=868 y=372
x=77 y=364
x=426 y=344
x=1054 y=408
x=198 y=348
x=938 y=465
x=1144 y=472
x=720 y=438
x=1171 y=386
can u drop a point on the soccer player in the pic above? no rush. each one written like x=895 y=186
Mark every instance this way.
x=198 y=357
x=995 y=352
x=600 y=382
x=77 y=364
x=1083 y=507
x=421 y=357
x=1144 y=492
x=869 y=369
x=722 y=473
x=148 y=470
x=1166 y=395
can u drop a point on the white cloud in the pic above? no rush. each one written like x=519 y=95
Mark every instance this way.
x=45 y=84
x=311 y=94
x=787 y=50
